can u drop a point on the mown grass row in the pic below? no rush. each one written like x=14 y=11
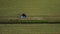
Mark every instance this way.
x=16 y=21
x=30 y=20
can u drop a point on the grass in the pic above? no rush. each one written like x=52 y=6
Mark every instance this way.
x=31 y=7
x=36 y=8
x=19 y=21
x=30 y=20
x=29 y=28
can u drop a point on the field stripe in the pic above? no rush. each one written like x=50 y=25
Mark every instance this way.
x=30 y=28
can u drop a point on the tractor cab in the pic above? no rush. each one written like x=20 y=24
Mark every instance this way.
x=23 y=16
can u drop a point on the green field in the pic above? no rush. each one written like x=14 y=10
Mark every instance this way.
x=48 y=9
x=29 y=28
x=31 y=7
